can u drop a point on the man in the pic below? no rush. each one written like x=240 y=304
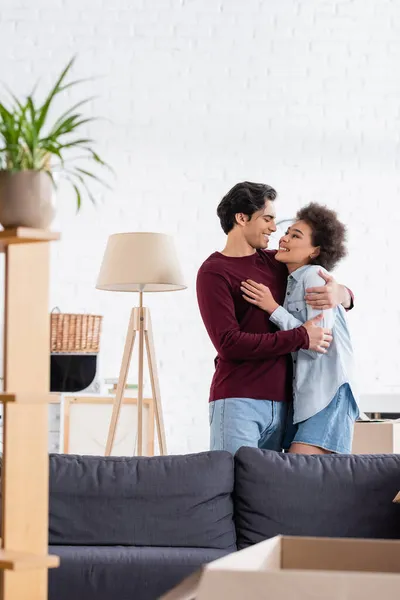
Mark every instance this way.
x=251 y=386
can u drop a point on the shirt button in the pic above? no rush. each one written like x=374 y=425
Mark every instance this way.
x=288 y=294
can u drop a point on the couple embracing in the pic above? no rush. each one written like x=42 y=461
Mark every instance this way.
x=283 y=373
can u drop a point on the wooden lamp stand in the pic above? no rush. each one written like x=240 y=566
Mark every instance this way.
x=139 y=323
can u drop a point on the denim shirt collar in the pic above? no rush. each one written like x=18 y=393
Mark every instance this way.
x=297 y=273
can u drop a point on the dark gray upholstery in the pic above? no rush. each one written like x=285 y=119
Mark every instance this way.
x=132 y=528
x=335 y=495
x=122 y=573
x=179 y=501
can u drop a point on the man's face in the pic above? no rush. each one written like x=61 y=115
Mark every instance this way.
x=261 y=225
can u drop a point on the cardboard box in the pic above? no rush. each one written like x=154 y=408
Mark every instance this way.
x=376 y=437
x=303 y=568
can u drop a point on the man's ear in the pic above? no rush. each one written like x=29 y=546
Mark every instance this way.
x=241 y=219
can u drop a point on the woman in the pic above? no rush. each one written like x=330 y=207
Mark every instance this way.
x=324 y=403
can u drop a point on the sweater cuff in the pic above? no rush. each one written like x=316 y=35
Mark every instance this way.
x=306 y=343
x=352 y=299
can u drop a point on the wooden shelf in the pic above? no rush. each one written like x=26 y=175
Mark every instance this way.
x=25 y=235
x=27 y=398
x=21 y=561
x=24 y=557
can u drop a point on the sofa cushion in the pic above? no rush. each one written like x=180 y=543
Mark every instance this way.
x=182 y=501
x=334 y=495
x=122 y=573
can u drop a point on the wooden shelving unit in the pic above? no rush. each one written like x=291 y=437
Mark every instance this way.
x=25 y=477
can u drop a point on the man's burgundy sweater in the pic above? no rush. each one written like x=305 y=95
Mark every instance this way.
x=253 y=358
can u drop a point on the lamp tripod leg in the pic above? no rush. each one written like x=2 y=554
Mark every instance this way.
x=140 y=385
x=155 y=386
x=123 y=374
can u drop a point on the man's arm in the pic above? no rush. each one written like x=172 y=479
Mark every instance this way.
x=346 y=297
x=329 y=295
x=218 y=314
x=284 y=320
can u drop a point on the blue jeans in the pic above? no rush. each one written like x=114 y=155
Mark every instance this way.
x=236 y=422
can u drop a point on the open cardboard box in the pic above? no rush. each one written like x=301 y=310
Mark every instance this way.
x=303 y=568
x=376 y=437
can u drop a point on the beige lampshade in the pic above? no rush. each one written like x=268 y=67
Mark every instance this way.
x=135 y=262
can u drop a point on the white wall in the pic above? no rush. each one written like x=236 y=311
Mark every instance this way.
x=201 y=94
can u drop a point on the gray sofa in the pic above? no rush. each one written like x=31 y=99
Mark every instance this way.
x=132 y=528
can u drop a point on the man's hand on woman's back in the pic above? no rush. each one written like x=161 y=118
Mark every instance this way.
x=329 y=295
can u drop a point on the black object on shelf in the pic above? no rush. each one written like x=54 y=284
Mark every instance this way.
x=72 y=372
x=391 y=416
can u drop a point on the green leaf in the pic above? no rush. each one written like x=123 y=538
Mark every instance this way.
x=14 y=97
x=29 y=129
x=52 y=179
x=64 y=116
x=78 y=197
x=21 y=124
x=93 y=176
x=69 y=125
x=76 y=82
x=52 y=149
x=53 y=92
x=84 y=184
x=96 y=157
x=31 y=109
x=77 y=143
x=4 y=112
x=89 y=193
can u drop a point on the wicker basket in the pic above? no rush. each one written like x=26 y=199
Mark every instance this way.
x=75 y=333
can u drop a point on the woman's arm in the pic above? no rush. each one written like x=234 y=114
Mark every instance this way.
x=282 y=318
x=261 y=296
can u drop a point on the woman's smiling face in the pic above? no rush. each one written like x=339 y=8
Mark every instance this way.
x=296 y=247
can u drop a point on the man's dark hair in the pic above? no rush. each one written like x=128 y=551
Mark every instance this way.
x=327 y=232
x=246 y=198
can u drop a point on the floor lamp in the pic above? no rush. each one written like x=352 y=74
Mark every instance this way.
x=139 y=262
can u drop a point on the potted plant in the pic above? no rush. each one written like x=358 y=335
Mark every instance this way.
x=34 y=148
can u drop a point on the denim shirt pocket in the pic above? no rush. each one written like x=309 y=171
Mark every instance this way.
x=298 y=308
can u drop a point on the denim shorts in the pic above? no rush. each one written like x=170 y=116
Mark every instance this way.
x=331 y=429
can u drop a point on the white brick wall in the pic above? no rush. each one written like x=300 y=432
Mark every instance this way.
x=201 y=94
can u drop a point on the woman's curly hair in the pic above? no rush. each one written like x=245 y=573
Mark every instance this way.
x=327 y=232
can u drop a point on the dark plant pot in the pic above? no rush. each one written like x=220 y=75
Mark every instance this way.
x=26 y=199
